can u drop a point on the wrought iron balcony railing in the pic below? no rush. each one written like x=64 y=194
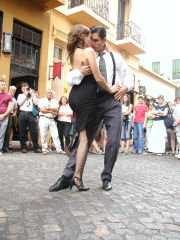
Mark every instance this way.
x=130 y=30
x=100 y=7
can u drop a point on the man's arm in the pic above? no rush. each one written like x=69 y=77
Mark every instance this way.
x=49 y=110
x=35 y=99
x=21 y=99
x=9 y=109
x=125 y=75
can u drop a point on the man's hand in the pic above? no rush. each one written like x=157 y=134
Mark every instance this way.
x=85 y=70
x=120 y=94
x=1 y=117
x=114 y=88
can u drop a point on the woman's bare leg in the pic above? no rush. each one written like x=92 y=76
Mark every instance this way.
x=173 y=139
x=122 y=145
x=127 y=144
x=81 y=156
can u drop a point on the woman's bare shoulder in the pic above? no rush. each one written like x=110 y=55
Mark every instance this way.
x=88 y=50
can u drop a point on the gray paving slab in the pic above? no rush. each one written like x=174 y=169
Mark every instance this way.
x=144 y=203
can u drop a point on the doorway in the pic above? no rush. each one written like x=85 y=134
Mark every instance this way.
x=26 y=45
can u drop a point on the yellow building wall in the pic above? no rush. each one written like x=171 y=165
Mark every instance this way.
x=29 y=14
x=55 y=27
x=61 y=26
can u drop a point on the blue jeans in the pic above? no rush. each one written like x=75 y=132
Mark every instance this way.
x=126 y=131
x=138 y=137
x=3 y=126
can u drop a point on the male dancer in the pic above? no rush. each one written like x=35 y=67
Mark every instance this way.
x=109 y=108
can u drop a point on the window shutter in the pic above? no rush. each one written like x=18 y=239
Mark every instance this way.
x=176 y=69
x=156 y=67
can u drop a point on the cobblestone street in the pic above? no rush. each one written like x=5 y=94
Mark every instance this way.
x=143 y=205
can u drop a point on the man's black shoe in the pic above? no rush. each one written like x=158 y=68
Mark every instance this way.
x=23 y=150
x=107 y=185
x=7 y=150
x=62 y=183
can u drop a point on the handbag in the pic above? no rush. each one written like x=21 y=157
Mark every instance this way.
x=35 y=110
x=169 y=121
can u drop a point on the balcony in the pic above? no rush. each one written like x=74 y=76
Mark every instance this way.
x=129 y=38
x=89 y=12
x=48 y=4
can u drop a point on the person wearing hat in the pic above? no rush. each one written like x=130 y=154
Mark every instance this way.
x=139 y=124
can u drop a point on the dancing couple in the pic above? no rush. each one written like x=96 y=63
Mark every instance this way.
x=94 y=97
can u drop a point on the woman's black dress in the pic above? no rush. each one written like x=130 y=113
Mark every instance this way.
x=83 y=101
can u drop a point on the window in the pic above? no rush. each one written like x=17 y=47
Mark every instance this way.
x=1 y=22
x=58 y=54
x=156 y=67
x=26 y=49
x=176 y=69
x=58 y=59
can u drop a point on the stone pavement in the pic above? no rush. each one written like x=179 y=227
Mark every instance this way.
x=143 y=205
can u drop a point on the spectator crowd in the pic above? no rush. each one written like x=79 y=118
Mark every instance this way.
x=153 y=126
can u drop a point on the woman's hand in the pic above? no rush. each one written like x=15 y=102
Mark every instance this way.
x=115 y=88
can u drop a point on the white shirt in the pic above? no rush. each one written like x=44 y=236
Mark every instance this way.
x=124 y=76
x=176 y=112
x=28 y=104
x=65 y=109
x=44 y=102
x=126 y=109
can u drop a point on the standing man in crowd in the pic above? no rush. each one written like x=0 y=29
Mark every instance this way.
x=6 y=105
x=26 y=118
x=48 y=110
x=12 y=91
x=115 y=70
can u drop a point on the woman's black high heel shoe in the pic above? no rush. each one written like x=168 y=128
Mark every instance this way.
x=80 y=187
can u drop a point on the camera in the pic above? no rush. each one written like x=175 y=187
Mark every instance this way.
x=29 y=94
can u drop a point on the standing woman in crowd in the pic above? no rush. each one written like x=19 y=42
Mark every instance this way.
x=157 y=138
x=126 y=123
x=139 y=124
x=64 y=121
x=176 y=116
x=149 y=123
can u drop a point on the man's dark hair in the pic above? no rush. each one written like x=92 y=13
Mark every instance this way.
x=100 y=30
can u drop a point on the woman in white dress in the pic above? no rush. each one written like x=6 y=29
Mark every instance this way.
x=149 y=122
x=158 y=133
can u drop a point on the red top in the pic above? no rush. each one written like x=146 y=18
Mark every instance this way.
x=5 y=98
x=140 y=113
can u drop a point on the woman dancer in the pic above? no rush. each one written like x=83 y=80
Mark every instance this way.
x=83 y=97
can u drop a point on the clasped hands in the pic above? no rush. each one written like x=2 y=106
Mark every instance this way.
x=119 y=91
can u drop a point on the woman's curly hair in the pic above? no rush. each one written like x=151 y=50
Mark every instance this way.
x=75 y=39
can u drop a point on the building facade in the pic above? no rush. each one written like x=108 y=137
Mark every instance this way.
x=39 y=38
